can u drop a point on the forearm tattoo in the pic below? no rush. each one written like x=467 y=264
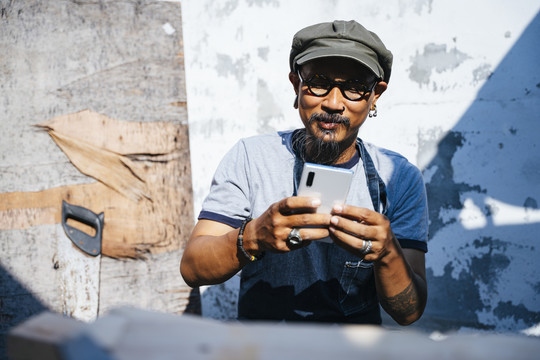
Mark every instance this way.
x=404 y=304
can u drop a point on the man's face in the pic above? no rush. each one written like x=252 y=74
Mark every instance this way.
x=325 y=117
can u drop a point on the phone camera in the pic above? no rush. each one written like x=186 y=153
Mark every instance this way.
x=310 y=177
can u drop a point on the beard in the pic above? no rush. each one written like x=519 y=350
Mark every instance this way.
x=312 y=148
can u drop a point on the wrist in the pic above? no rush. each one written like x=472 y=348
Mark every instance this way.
x=251 y=243
x=390 y=255
x=245 y=246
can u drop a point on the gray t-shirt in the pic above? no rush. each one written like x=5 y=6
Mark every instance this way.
x=321 y=282
x=259 y=171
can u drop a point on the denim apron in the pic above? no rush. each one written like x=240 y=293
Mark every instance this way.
x=321 y=282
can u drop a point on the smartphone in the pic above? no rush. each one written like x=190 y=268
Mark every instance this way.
x=328 y=183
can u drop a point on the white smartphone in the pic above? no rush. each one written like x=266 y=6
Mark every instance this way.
x=328 y=183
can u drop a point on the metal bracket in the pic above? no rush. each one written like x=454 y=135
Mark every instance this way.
x=89 y=244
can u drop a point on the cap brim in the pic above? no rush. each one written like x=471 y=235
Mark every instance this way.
x=363 y=58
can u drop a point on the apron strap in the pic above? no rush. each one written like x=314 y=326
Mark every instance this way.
x=376 y=186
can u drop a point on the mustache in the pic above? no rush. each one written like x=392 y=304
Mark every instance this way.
x=329 y=118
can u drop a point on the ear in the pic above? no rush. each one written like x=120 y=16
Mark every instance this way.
x=295 y=81
x=378 y=91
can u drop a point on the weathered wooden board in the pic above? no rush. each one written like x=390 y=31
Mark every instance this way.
x=122 y=60
x=43 y=262
x=142 y=175
x=134 y=334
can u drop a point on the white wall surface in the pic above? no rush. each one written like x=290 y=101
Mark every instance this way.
x=462 y=104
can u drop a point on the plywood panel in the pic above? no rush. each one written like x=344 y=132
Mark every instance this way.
x=42 y=267
x=123 y=60
x=61 y=57
x=143 y=190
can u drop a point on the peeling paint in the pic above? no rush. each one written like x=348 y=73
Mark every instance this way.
x=434 y=58
x=487 y=268
x=262 y=3
x=262 y=52
x=417 y=6
x=454 y=296
x=482 y=73
x=490 y=243
x=221 y=9
x=267 y=108
x=226 y=66
x=443 y=191
x=471 y=215
x=530 y=203
x=506 y=309
x=503 y=214
x=428 y=141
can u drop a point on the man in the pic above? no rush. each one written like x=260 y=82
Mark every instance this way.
x=251 y=220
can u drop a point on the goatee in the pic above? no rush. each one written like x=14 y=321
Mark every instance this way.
x=316 y=149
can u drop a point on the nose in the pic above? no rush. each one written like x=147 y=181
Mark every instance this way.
x=334 y=102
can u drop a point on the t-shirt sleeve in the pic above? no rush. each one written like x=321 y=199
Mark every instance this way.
x=228 y=199
x=408 y=211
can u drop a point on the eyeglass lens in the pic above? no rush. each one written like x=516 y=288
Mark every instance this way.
x=353 y=90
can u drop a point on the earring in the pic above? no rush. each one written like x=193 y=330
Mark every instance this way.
x=295 y=104
x=373 y=111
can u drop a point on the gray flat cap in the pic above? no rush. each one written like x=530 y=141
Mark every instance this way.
x=340 y=38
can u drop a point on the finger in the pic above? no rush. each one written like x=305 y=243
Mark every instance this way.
x=359 y=214
x=354 y=228
x=296 y=204
x=314 y=233
x=291 y=247
x=309 y=220
x=306 y=233
x=308 y=236
x=347 y=241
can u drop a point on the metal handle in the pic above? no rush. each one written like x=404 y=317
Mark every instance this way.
x=89 y=244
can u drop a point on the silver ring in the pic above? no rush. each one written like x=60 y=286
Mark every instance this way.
x=366 y=248
x=294 y=237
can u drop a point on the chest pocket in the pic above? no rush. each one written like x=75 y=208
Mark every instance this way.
x=357 y=290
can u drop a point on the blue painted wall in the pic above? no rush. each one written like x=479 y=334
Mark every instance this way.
x=462 y=104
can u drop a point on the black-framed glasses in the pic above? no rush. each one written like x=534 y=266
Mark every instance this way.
x=353 y=90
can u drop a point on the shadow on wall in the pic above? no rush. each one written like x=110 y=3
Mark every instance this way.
x=17 y=304
x=194 y=303
x=483 y=191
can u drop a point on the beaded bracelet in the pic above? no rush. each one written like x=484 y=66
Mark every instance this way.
x=240 y=242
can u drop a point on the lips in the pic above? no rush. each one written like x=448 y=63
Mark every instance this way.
x=329 y=121
x=328 y=125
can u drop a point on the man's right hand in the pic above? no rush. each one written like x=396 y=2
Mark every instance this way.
x=269 y=231
x=211 y=255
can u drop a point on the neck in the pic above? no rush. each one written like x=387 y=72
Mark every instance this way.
x=347 y=154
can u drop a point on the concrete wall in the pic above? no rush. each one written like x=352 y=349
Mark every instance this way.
x=462 y=104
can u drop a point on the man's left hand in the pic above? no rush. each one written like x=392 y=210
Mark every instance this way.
x=353 y=227
x=399 y=273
